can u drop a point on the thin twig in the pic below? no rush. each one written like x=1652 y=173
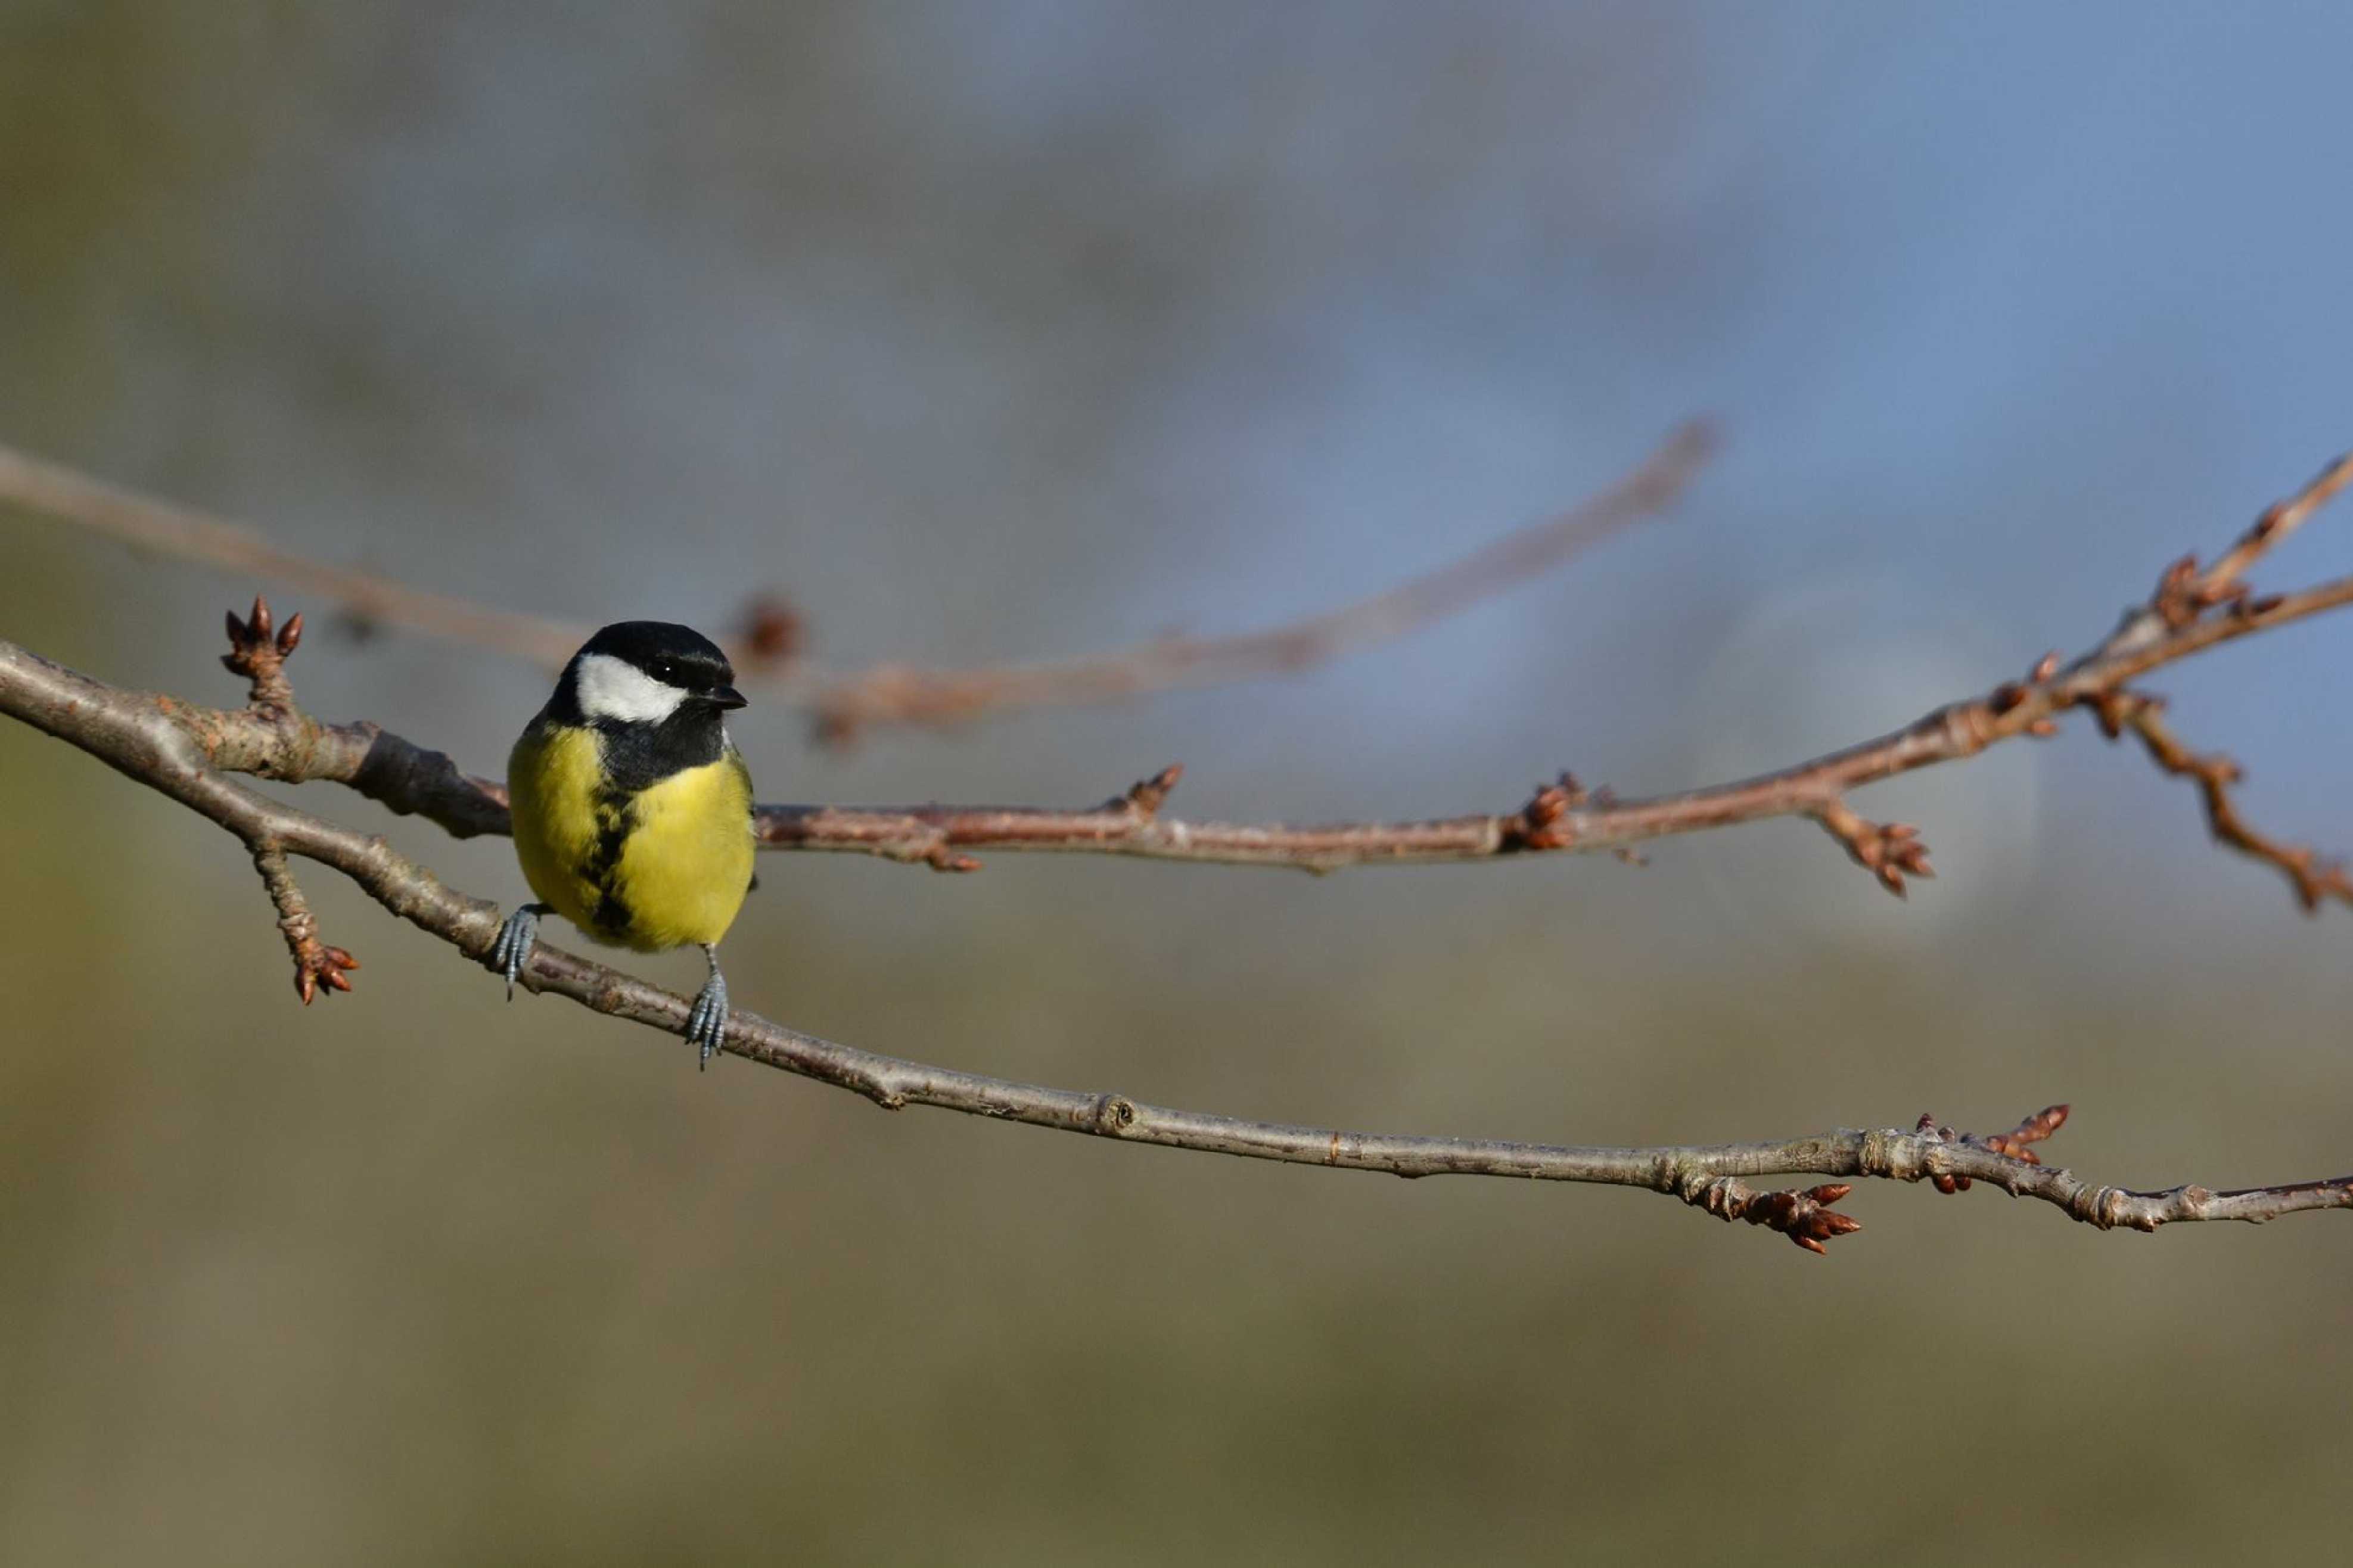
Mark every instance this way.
x=316 y=964
x=1561 y=817
x=185 y=534
x=2313 y=876
x=259 y=655
x=898 y=694
x=152 y=740
x=846 y=704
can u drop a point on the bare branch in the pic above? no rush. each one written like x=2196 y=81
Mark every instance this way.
x=895 y=694
x=1888 y=850
x=2313 y=876
x=315 y=963
x=2184 y=593
x=170 y=747
x=2190 y=613
x=1558 y=817
x=843 y=705
x=187 y=534
x=2017 y=1144
x=185 y=751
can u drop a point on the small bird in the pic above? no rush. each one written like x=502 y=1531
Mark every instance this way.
x=632 y=809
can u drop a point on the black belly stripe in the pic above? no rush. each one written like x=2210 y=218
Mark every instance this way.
x=615 y=814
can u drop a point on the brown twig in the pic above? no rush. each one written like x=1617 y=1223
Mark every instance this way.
x=896 y=694
x=2184 y=593
x=768 y=644
x=2190 y=613
x=1888 y=850
x=2017 y=1144
x=315 y=963
x=186 y=534
x=2313 y=876
x=260 y=657
x=170 y=747
x=1561 y=817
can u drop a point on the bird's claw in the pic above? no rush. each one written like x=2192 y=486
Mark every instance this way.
x=516 y=939
x=706 y=1025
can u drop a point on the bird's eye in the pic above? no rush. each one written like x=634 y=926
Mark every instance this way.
x=666 y=670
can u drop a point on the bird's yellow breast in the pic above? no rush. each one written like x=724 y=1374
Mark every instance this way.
x=667 y=866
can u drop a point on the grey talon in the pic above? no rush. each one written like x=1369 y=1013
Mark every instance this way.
x=706 y=1025
x=517 y=937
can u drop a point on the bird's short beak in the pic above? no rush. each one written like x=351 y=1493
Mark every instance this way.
x=724 y=697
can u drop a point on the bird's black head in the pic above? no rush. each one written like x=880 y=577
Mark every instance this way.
x=644 y=671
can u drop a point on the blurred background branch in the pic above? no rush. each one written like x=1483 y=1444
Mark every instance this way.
x=767 y=645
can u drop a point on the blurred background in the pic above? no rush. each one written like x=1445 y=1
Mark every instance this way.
x=1000 y=331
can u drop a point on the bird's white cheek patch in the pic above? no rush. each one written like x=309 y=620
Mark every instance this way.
x=614 y=688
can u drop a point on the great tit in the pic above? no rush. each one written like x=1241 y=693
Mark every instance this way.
x=632 y=810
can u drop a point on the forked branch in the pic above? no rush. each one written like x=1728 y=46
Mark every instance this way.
x=2190 y=612
x=188 y=752
x=154 y=742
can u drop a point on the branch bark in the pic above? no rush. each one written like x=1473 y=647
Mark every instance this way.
x=186 y=751
x=163 y=744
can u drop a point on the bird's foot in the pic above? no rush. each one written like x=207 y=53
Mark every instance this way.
x=706 y=1027
x=516 y=939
